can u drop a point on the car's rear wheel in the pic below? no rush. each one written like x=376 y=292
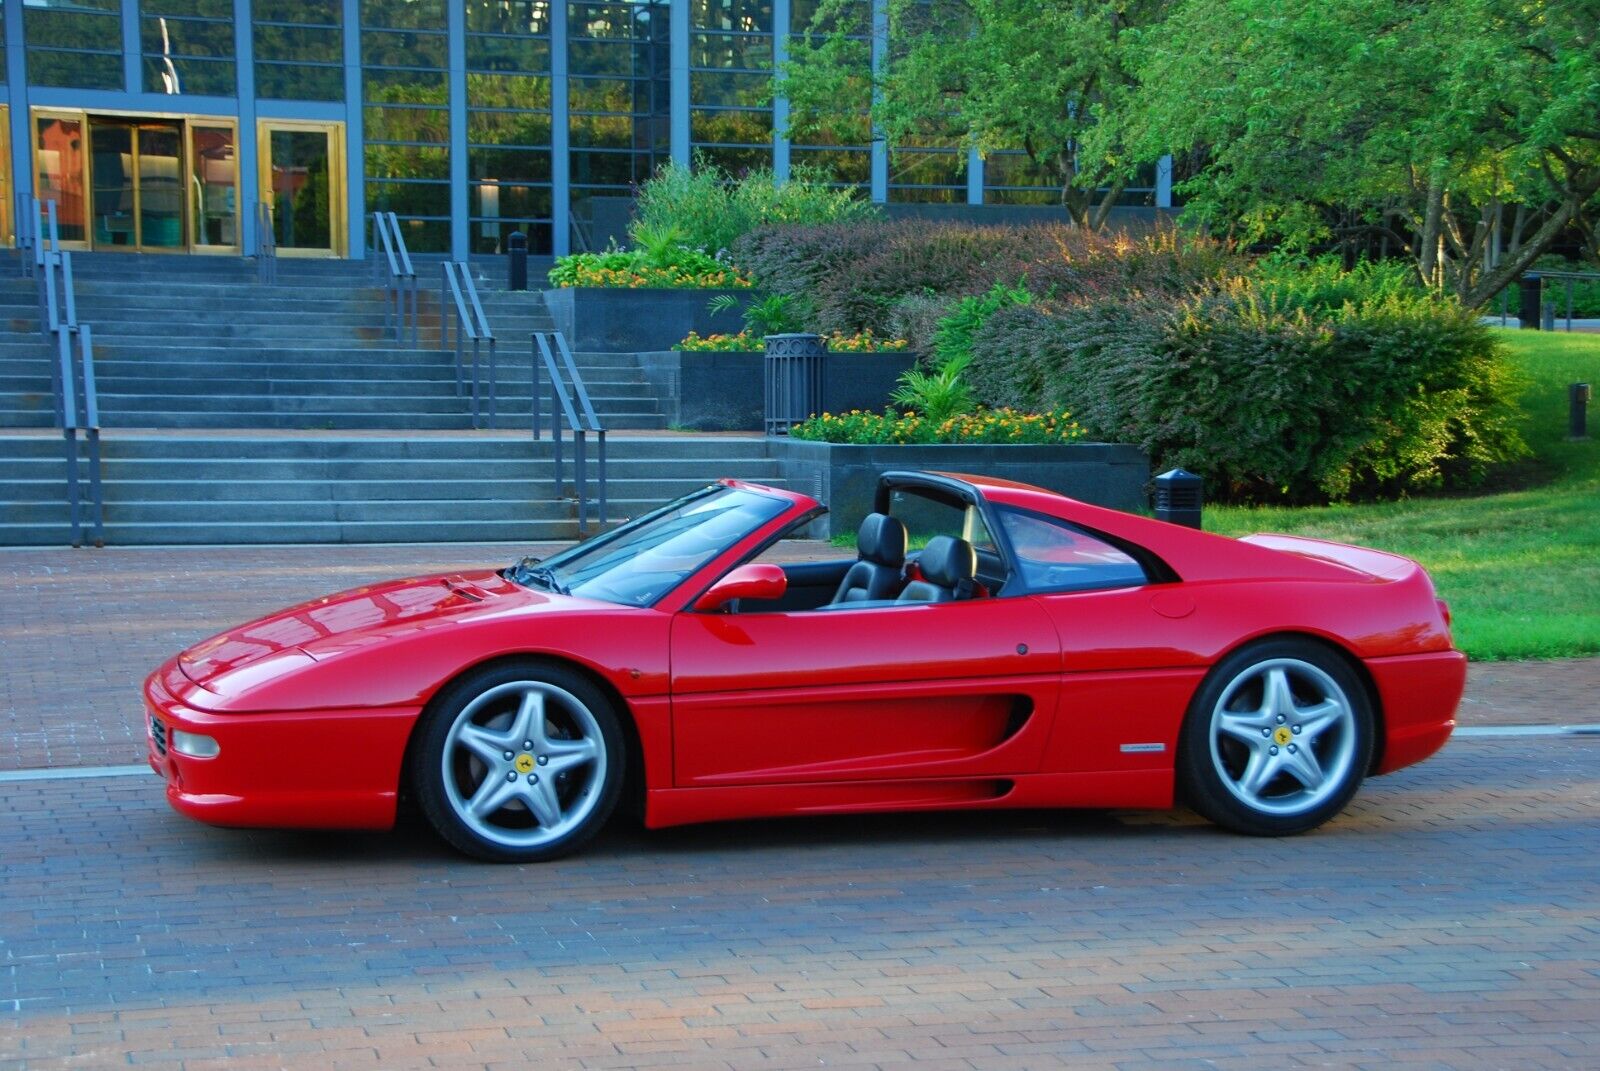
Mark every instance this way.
x=1277 y=739
x=518 y=762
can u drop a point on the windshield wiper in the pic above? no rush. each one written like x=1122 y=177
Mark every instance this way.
x=528 y=570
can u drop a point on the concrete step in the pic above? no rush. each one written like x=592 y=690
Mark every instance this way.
x=218 y=533
x=113 y=385
x=469 y=447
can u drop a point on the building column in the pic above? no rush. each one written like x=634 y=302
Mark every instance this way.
x=560 y=134
x=22 y=135
x=460 y=229
x=678 y=72
x=880 y=57
x=245 y=152
x=780 y=104
x=355 y=154
x=132 y=60
x=1164 y=182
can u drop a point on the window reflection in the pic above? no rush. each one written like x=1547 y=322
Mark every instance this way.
x=212 y=184
x=187 y=46
x=59 y=155
x=78 y=47
x=299 y=49
x=405 y=97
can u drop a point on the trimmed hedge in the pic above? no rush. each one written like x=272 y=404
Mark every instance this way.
x=894 y=278
x=1396 y=393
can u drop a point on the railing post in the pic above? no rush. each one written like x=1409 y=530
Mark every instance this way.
x=91 y=433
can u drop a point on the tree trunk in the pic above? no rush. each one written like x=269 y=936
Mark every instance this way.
x=1107 y=203
x=1428 y=248
x=1521 y=258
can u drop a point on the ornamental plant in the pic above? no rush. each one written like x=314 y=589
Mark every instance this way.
x=669 y=267
x=994 y=426
x=750 y=342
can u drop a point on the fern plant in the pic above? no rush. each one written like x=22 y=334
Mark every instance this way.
x=938 y=395
x=776 y=314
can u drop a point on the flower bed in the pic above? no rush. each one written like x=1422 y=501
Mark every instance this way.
x=629 y=269
x=997 y=426
x=750 y=342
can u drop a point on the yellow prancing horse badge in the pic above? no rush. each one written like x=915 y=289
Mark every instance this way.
x=525 y=763
x=1280 y=736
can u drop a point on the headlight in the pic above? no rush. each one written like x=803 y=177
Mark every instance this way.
x=194 y=745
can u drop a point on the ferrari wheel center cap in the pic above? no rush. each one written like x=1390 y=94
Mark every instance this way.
x=1280 y=736
x=524 y=763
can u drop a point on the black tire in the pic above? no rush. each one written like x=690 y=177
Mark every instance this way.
x=448 y=767
x=1262 y=785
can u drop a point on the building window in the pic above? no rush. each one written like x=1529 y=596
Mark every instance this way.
x=617 y=92
x=299 y=49
x=843 y=152
x=188 y=47
x=406 y=114
x=508 y=123
x=77 y=47
x=730 y=72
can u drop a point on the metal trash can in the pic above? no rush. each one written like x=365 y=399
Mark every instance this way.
x=794 y=370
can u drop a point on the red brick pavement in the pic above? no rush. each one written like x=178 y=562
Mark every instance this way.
x=1446 y=921
x=80 y=629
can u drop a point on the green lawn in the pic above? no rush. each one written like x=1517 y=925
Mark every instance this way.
x=1520 y=565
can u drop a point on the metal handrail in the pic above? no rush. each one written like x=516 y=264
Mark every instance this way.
x=71 y=370
x=1571 y=278
x=27 y=229
x=459 y=294
x=581 y=420
x=400 y=299
x=266 y=245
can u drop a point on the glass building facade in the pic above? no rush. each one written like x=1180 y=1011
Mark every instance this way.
x=159 y=125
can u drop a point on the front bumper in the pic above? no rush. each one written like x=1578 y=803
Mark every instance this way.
x=329 y=769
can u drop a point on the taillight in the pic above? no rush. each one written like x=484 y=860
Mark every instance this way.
x=1444 y=610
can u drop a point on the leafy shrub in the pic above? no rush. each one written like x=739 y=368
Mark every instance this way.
x=870 y=274
x=952 y=335
x=665 y=265
x=710 y=209
x=1324 y=283
x=1004 y=426
x=1270 y=402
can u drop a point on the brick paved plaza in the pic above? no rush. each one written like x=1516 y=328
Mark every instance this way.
x=1450 y=919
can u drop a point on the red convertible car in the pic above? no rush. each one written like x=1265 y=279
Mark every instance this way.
x=1032 y=651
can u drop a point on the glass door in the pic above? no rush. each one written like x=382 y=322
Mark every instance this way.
x=136 y=170
x=61 y=170
x=302 y=178
x=8 y=194
x=213 y=187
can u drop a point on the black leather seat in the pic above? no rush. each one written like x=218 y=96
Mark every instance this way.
x=949 y=567
x=881 y=546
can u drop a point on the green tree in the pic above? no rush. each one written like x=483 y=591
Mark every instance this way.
x=991 y=74
x=1465 y=132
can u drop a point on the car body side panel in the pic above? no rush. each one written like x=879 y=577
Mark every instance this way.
x=899 y=691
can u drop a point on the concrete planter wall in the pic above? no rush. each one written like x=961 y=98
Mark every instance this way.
x=845 y=478
x=725 y=391
x=615 y=320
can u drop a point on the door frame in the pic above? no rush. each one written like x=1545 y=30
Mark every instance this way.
x=337 y=228
x=8 y=234
x=186 y=121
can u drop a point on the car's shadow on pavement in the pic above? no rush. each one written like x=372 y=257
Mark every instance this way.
x=624 y=838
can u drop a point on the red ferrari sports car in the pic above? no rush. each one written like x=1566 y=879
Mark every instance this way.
x=1032 y=651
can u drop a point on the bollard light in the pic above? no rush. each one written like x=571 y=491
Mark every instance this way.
x=1530 y=292
x=1180 y=497
x=517 y=252
x=1578 y=411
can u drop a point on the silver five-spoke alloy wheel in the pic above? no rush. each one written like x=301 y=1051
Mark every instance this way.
x=1283 y=737
x=519 y=761
x=523 y=764
x=1277 y=738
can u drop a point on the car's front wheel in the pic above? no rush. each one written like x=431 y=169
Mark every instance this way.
x=518 y=762
x=1277 y=739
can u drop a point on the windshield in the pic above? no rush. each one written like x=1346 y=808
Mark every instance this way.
x=646 y=558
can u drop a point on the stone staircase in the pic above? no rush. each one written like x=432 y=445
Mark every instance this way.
x=196 y=342
x=181 y=488
x=240 y=413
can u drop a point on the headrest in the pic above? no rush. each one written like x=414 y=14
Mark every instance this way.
x=948 y=562
x=882 y=539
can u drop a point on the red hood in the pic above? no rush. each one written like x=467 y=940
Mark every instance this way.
x=312 y=629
